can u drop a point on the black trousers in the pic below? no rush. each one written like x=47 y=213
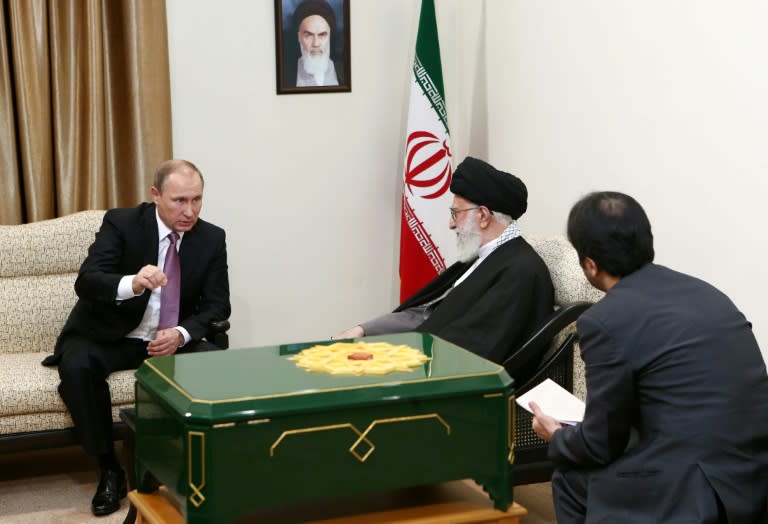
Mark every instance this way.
x=84 y=368
x=570 y=490
x=569 y=495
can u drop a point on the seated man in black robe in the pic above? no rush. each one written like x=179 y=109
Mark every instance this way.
x=498 y=292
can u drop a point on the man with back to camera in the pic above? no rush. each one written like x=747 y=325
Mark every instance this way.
x=498 y=292
x=671 y=357
x=138 y=298
x=315 y=24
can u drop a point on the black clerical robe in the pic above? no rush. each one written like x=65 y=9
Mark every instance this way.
x=496 y=308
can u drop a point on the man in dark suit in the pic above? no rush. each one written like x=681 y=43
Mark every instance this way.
x=499 y=291
x=138 y=298
x=671 y=360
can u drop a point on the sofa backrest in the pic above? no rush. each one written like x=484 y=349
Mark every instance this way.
x=567 y=277
x=570 y=286
x=38 y=266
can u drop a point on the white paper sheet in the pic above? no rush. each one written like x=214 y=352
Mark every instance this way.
x=555 y=401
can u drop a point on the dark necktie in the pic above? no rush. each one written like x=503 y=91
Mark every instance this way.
x=169 y=294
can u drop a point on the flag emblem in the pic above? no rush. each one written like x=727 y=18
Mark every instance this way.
x=427 y=165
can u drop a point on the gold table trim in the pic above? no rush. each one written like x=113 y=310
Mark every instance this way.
x=362 y=436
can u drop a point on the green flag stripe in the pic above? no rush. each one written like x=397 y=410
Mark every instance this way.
x=428 y=46
x=430 y=89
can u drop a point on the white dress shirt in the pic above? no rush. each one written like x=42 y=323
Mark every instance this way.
x=147 y=328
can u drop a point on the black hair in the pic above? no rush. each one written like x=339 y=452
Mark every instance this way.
x=613 y=230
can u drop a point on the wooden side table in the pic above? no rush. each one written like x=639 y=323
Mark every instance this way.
x=154 y=508
x=448 y=503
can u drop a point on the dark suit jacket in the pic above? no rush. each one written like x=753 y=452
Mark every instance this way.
x=496 y=308
x=671 y=356
x=127 y=241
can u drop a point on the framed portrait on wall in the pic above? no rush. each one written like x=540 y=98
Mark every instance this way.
x=312 y=46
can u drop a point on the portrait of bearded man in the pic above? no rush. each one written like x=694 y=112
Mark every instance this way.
x=313 y=45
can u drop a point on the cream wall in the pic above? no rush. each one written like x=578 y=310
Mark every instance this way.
x=663 y=99
x=306 y=185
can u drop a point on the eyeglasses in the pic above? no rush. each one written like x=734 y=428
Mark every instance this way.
x=455 y=211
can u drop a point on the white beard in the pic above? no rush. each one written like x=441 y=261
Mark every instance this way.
x=316 y=65
x=469 y=238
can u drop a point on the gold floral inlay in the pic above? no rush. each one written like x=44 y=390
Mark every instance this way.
x=359 y=358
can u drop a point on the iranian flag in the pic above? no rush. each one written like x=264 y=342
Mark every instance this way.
x=425 y=240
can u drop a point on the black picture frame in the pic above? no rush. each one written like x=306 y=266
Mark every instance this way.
x=289 y=50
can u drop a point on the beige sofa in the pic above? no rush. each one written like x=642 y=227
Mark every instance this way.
x=38 y=267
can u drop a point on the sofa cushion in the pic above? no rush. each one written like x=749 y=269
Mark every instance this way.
x=26 y=386
x=34 y=310
x=31 y=422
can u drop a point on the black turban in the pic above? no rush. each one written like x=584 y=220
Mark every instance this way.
x=484 y=185
x=314 y=7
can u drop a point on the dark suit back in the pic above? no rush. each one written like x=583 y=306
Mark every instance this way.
x=671 y=356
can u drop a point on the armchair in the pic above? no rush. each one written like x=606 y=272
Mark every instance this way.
x=530 y=452
x=557 y=343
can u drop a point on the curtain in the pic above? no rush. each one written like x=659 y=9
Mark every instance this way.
x=85 y=110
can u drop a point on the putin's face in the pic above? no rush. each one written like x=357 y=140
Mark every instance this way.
x=179 y=200
x=314 y=36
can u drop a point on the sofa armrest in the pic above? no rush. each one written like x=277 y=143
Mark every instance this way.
x=218 y=333
x=535 y=348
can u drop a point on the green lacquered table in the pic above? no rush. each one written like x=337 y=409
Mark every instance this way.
x=244 y=429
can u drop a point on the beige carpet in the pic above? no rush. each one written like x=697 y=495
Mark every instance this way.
x=50 y=487
x=56 y=487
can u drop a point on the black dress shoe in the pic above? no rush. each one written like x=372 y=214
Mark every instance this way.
x=111 y=489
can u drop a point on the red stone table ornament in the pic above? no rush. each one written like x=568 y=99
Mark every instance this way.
x=360 y=355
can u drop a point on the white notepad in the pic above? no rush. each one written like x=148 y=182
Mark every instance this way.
x=555 y=401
